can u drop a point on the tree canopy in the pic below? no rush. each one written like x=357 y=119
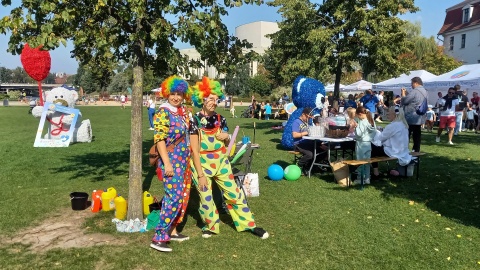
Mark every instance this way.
x=142 y=33
x=318 y=40
x=425 y=53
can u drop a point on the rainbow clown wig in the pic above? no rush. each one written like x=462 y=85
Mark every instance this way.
x=175 y=84
x=204 y=89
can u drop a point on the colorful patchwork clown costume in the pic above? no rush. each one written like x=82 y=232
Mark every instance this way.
x=171 y=124
x=212 y=130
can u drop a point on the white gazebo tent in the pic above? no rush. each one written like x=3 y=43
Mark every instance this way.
x=331 y=87
x=403 y=81
x=361 y=85
x=467 y=76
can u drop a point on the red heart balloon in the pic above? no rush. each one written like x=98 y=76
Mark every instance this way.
x=36 y=62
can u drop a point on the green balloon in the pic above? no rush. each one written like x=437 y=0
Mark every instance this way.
x=238 y=155
x=292 y=172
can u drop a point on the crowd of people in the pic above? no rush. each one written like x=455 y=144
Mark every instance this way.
x=457 y=113
x=453 y=111
x=266 y=110
x=192 y=149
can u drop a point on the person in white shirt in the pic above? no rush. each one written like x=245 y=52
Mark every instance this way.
x=380 y=107
x=123 y=100
x=447 y=114
x=392 y=141
x=437 y=105
x=151 y=111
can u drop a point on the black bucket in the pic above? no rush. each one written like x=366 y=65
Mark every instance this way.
x=155 y=206
x=79 y=200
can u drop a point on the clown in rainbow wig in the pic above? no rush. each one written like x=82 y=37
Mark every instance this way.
x=210 y=151
x=175 y=84
x=171 y=137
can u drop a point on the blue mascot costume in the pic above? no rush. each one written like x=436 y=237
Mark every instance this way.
x=306 y=92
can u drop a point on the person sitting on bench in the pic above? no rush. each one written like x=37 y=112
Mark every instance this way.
x=306 y=147
x=392 y=141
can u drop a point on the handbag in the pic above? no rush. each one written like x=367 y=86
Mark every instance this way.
x=154 y=156
x=153 y=219
x=422 y=108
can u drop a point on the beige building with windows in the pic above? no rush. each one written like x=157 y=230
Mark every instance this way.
x=461 y=31
x=254 y=33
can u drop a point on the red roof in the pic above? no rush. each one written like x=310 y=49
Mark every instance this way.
x=454 y=19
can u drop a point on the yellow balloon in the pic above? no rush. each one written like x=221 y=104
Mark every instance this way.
x=233 y=149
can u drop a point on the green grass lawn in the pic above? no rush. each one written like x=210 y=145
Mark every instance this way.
x=313 y=223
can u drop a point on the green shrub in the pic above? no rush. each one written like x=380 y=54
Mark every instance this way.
x=14 y=94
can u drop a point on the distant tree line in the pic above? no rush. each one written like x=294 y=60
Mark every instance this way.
x=18 y=75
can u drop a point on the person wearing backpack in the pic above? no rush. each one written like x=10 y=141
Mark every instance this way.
x=411 y=103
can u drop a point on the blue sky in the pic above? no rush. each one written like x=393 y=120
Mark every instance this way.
x=431 y=16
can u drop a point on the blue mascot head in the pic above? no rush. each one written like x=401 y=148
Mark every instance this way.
x=306 y=92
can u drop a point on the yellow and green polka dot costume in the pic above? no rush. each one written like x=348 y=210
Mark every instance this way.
x=216 y=167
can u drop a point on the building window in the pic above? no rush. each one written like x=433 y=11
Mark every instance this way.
x=452 y=40
x=464 y=36
x=466 y=13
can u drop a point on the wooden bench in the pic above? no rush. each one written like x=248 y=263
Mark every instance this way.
x=296 y=156
x=359 y=162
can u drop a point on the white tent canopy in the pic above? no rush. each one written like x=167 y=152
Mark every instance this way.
x=361 y=85
x=404 y=81
x=331 y=87
x=467 y=76
x=156 y=90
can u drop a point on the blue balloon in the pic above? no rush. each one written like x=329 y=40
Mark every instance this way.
x=275 y=172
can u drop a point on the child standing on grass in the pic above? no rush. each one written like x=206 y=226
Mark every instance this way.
x=268 y=111
x=429 y=118
x=470 y=117
x=232 y=110
x=351 y=122
x=364 y=133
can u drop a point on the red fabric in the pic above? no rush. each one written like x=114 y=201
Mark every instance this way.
x=475 y=100
x=36 y=62
x=447 y=121
x=160 y=174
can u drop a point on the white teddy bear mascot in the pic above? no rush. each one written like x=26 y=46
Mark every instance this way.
x=59 y=123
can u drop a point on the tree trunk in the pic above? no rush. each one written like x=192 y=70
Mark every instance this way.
x=135 y=208
x=338 y=77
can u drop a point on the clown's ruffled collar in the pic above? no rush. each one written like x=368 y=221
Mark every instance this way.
x=175 y=110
